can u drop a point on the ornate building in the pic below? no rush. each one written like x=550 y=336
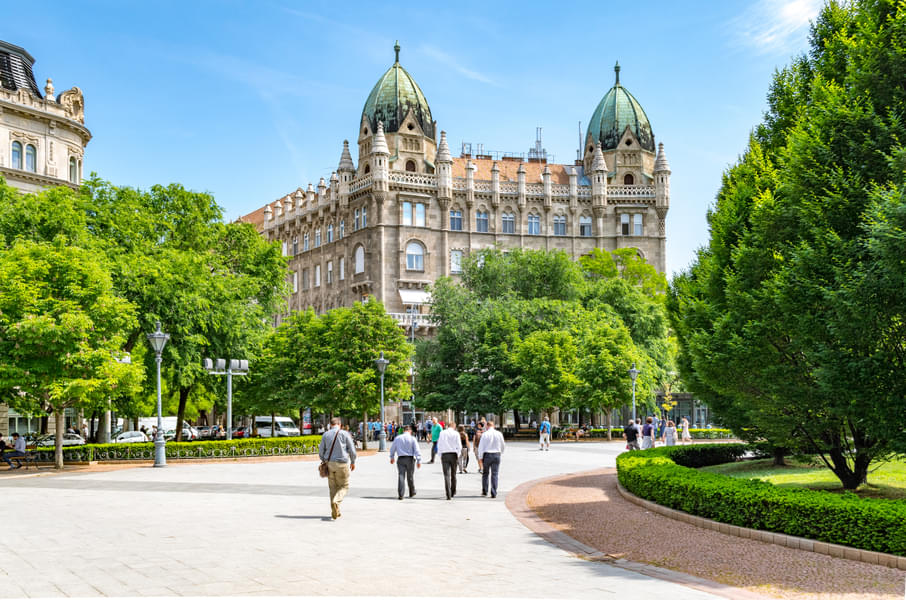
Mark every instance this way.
x=407 y=211
x=42 y=138
x=42 y=142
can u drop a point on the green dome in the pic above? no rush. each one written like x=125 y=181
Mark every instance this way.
x=393 y=96
x=617 y=110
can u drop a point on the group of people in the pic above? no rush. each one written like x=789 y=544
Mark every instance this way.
x=337 y=449
x=16 y=451
x=652 y=430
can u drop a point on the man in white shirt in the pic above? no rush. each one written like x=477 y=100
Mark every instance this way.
x=405 y=451
x=490 y=447
x=449 y=446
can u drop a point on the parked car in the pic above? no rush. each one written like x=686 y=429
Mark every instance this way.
x=204 y=432
x=242 y=432
x=189 y=434
x=130 y=437
x=69 y=439
x=284 y=427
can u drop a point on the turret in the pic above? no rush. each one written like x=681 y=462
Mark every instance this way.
x=346 y=173
x=381 y=155
x=573 y=187
x=520 y=183
x=495 y=183
x=322 y=191
x=598 y=178
x=334 y=186
x=298 y=198
x=444 y=164
x=661 y=178
x=546 y=184
x=268 y=214
x=310 y=196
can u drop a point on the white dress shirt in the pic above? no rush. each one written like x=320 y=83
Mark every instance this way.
x=491 y=441
x=449 y=441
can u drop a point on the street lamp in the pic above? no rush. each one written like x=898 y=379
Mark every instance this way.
x=633 y=373
x=221 y=366
x=158 y=340
x=412 y=369
x=381 y=364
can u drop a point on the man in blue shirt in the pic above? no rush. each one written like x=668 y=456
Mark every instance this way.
x=405 y=447
x=545 y=434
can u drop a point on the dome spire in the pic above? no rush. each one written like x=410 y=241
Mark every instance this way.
x=660 y=163
x=443 y=150
x=396 y=48
x=379 y=146
x=346 y=163
x=616 y=69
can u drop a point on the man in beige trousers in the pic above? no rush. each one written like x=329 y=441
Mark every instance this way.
x=340 y=458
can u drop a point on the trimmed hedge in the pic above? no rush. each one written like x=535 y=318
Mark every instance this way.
x=208 y=449
x=697 y=434
x=668 y=476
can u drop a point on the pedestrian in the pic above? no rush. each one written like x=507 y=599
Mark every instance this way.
x=479 y=429
x=436 y=429
x=464 y=453
x=669 y=435
x=544 y=434
x=449 y=445
x=490 y=448
x=18 y=451
x=631 y=435
x=687 y=435
x=337 y=449
x=408 y=458
x=648 y=433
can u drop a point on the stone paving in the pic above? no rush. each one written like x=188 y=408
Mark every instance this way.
x=264 y=529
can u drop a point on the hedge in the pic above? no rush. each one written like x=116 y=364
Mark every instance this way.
x=208 y=449
x=668 y=476
x=697 y=434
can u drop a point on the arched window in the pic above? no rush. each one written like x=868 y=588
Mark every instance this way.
x=367 y=169
x=73 y=170
x=415 y=257
x=330 y=233
x=16 y=159
x=560 y=225
x=359 y=260
x=410 y=166
x=31 y=158
x=628 y=179
x=585 y=226
x=534 y=224
x=509 y=223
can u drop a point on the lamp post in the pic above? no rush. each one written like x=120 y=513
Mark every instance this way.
x=633 y=373
x=412 y=370
x=222 y=366
x=158 y=340
x=381 y=364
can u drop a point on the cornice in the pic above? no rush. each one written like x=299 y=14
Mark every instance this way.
x=36 y=178
x=6 y=105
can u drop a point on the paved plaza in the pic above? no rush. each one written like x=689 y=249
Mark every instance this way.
x=263 y=528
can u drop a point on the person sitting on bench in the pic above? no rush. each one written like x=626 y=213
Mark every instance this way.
x=18 y=452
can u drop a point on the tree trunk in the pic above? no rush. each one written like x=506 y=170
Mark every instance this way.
x=609 y=425
x=851 y=477
x=364 y=430
x=183 y=398
x=516 y=419
x=273 y=426
x=58 y=438
x=778 y=456
x=92 y=432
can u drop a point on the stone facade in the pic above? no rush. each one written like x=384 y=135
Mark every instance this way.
x=42 y=137
x=407 y=212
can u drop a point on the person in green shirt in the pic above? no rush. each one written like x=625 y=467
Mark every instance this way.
x=436 y=429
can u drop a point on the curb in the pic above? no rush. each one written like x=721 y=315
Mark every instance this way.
x=769 y=537
x=517 y=503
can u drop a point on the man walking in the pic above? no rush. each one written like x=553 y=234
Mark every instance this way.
x=435 y=434
x=490 y=447
x=476 y=439
x=337 y=449
x=405 y=446
x=545 y=434
x=631 y=434
x=449 y=445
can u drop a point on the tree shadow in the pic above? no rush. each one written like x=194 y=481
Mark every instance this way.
x=315 y=517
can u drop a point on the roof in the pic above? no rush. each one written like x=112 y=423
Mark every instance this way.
x=16 y=69
x=618 y=110
x=509 y=169
x=256 y=217
x=393 y=96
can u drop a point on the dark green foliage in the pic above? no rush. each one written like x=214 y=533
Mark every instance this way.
x=668 y=476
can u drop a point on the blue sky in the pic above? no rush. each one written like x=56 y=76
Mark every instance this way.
x=249 y=100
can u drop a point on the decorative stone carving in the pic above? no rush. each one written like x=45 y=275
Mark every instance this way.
x=74 y=104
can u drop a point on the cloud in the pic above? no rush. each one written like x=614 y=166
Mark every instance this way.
x=775 y=26
x=445 y=59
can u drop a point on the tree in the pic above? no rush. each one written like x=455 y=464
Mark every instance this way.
x=61 y=330
x=546 y=361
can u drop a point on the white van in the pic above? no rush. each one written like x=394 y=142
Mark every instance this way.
x=284 y=427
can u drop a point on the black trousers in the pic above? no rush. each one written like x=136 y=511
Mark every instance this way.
x=405 y=466
x=491 y=462
x=450 y=462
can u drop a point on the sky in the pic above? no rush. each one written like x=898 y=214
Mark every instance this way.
x=250 y=100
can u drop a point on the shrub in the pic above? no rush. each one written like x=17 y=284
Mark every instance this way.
x=668 y=477
x=208 y=449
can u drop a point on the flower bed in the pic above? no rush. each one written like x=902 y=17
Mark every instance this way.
x=668 y=476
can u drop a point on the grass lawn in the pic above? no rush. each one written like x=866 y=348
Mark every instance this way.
x=886 y=480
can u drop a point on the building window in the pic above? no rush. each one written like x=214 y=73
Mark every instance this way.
x=509 y=223
x=330 y=233
x=342 y=268
x=318 y=237
x=481 y=222
x=585 y=226
x=415 y=257
x=455 y=220
x=407 y=213
x=637 y=224
x=73 y=170
x=16 y=161
x=329 y=272
x=456 y=261
x=560 y=225
x=295 y=282
x=534 y=225
x=419 y=215
x=283 y=248
x=31 y=156
x=364 y=217
x=305 y=243
x=342 y=231
x=295 y=246
x=356 y=220
x=628 y=179
x=359 y=260
x=410 y=166
x=317 y=275
x=624 y=224
x=304 y=279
